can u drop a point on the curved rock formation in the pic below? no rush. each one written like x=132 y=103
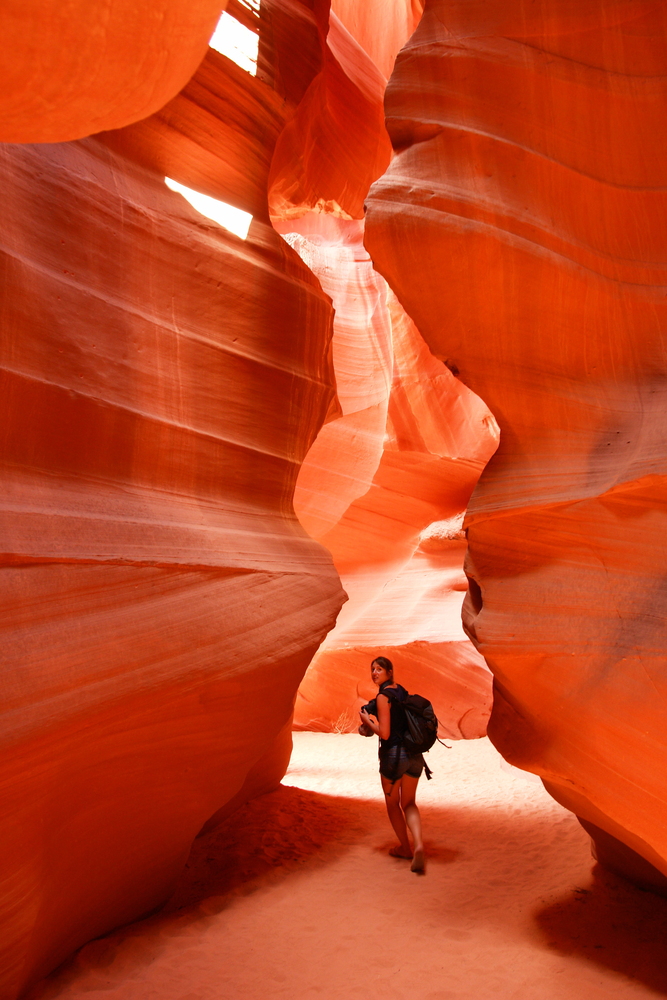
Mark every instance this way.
x=218 y=135
x=401 y=456
x=520 y=226
x=70 y=69
x=162 y=381
x=335 y=145
x=384 y=487
x=381 y=28
x=155 y=580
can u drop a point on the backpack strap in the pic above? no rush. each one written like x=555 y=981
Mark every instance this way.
x=392 y=693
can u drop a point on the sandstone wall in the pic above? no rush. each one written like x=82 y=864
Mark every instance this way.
x=521 y=228
x=397 y=462
x=162 y=381
x=334 y=145
x=384 y=487
x=156 y=585
x=69 y=69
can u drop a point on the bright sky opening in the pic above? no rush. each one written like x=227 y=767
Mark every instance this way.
x=237 y=42
x=234 y=219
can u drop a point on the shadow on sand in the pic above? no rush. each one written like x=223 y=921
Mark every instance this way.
x=472 y=853
x=613 y=924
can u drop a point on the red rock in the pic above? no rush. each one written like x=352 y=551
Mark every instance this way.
x=70 y=69
x=161 y=600
x=519 y=227
x=381 y=29
x=158 y=584
x=336 y=144
x=382 y=488
x=218 y=134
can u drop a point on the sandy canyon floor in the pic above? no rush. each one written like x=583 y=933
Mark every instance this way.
x=295 y=897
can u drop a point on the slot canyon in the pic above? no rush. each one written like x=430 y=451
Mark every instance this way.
x=332 y=329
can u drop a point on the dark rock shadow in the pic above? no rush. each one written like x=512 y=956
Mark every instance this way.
x=613 y=924
x=268 y=839
x=472 y=851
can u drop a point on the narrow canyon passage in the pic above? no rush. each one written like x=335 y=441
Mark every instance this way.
x=294 y=897
x=332 y=329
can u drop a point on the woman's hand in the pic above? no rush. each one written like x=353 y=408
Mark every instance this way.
x=369 y=720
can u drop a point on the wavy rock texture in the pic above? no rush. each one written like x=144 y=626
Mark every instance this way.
x=335 y=145
x=384 y=487
x=521 y=228
x=70 y=69
x=218 y=135
x=162 y=381
x=381 y=28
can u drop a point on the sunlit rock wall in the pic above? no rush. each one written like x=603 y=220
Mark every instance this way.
x=521 y=226
x=384 y=487
x=162 y=380
x=335 y=145
x=381 y=28
x=386 y=483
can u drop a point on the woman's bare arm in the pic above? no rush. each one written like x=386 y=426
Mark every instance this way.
x=384 y=717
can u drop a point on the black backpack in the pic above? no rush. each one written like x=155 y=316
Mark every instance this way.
x=422 y=723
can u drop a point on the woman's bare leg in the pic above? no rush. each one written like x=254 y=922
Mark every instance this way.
x=392 y=794
x=412 y=819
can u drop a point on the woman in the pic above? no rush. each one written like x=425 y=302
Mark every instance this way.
x=399 y=771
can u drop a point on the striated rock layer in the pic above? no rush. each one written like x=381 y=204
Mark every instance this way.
x=384 y=487
x=397 y=462
x=161 y=382
x=521 y=228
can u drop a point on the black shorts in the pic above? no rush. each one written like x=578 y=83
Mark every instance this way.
x=395 y=761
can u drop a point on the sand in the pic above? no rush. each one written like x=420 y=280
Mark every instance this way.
x=295 y=897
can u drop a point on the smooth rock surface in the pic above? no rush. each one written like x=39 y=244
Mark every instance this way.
x=162 y=382
x=71 y=69
x=520 y=227
x=156 y=583
x=381 y=28
x=384 y=487
x=335 y=145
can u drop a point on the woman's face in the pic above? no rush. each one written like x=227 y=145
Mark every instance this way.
x=379 y=674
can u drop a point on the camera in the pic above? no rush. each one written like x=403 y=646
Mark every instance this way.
x=371 y=707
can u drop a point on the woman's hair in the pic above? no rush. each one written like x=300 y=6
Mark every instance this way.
x=384 y=663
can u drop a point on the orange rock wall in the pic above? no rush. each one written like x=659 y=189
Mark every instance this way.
x=155 y=580
x=398 y=461
x=335 y=145
x=381 y=28
x=69 y=69
x=382 y=487
x=162 y=381
x=521 y=227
